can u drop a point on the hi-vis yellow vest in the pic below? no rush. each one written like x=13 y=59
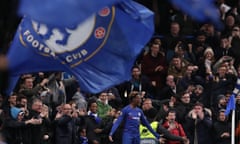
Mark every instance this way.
x=145 y=133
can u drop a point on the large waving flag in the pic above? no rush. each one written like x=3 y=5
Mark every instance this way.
x=64 y=12
x=99 y=52
x=200 y=10
x=231 y=105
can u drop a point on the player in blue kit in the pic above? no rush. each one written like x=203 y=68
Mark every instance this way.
x=132 y=116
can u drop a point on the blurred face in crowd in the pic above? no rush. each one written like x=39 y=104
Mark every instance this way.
x=170 y=81
x=222 y=71
x=210 y=29
x=12 y=100
x=136 y=100
x=201 y=39
x=198 y=109
x=171 y=116
x=222 y=116
x=28 y=83
x=225 y=43
x=222 y=101
x=66 y=109
x=198 y=90
x=157 y=41
x=209 y=55
x=93 y=107
x=176 y=62
x=174 y=29
x=147 y=104
x=23 y=101
x=155 y=49
x=185 y=98
x=180 y=51
x=227 y=96
x=136 y=73
x=236 y=31
x=112 y=112
x=37 y=106
x=103 y=97
x=230 y=21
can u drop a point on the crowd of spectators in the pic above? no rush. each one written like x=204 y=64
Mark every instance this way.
x=185 y=76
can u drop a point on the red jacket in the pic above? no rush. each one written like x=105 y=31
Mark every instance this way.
x=178 y=131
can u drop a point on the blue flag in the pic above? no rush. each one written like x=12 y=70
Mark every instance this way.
x=64 y=12
x=200 y=10
x=230 y=105
x=231 y=102
x=99 y=52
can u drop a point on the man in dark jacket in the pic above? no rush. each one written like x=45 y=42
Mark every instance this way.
x=66 y=126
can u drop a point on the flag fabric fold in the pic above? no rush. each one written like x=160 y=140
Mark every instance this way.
x=99 y=51
x=200 y=10
x=66 y=12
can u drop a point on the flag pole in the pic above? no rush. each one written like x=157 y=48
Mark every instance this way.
x=233 y=127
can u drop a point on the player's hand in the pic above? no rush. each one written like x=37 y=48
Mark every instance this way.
x=185 y=140
x=162 y=140
x=110 y=138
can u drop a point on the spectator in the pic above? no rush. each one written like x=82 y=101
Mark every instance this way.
x=9 y=102
x=212 y=35
x=80 y=100
x=66 y=126
x=170 y=89
x=102 y=103
x=225 y=48
x=185 y=52
x=199 y=45
x=229 y=23
x=221 y=83
x=138 y=82
x=154 y=66
x=172 y=38
x=92 y=123
x=234 y=39
x=16 y=129
x=222 y=129
x=37 y=130
x=199 y=95
x=22 y=101
x=177 y=67
x=183 y=106
x=82 y=136
x=219 y=105
x=30 y=90
x=199 y=125
x=173 y=126
x=206 y=65
x=47 y=128
x=190 y=77
x=114 y=99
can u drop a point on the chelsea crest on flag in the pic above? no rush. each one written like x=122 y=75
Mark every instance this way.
x=99 y=51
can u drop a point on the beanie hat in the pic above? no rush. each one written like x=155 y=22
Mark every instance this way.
x=15 y=111
x=209 y=49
